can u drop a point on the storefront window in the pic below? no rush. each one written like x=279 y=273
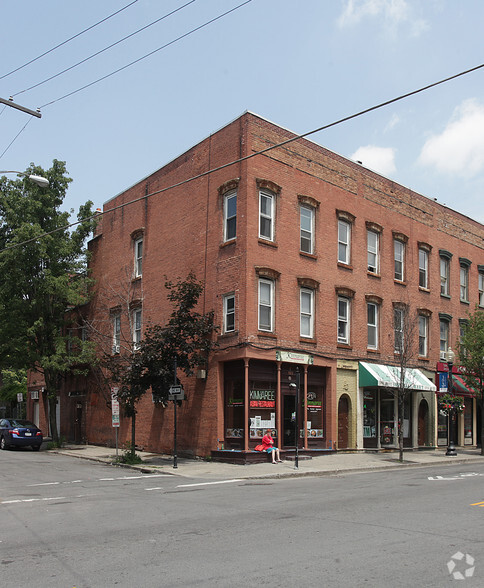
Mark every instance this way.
x=234 y=405
x=387 y=420
x=468 y=421
x=315 y=412
x=442 y=429
x=262 y=409
x=369 y=414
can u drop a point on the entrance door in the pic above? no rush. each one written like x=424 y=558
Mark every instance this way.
x=78 y=431
x=423 y=411
x=343 y=410
x=289 y=414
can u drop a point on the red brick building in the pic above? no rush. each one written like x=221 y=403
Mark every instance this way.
x=309 y=262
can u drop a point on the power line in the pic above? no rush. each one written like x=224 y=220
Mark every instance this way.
x=105 y=49
x=250 y=156
x=68 y=40
x=148 y=54
x=15 y=138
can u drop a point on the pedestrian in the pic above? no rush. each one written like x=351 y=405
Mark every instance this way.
x=268 y=446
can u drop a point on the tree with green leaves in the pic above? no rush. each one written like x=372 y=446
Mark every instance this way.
x=42 y=275
x=186 y=338
x=471 y=358
x=13 y=382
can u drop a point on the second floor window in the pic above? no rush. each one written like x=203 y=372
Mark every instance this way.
x=266 y=305
x=307 y=312
x=344 y=239
x=481 y=288
x=423 y=327
x=398 y=326
x=373 y=246
x=444 y=276
x=307 y=229
x=372 y=320
x=230 y=216
x=399 y=258
x=138 y=257
x=229 y=313
x=423 y=268
x=343 y=320
x=136 y=328
x=444 y=338
x=116 y=333
x=266 y=215
x=464 y=283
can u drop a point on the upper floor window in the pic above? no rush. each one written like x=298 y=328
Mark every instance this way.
x=344 y=241
x=116 y=321
x=306 y=312
x=444 y=276
x=266 y=215
x=398 y=328
x=136 y=327
x=373 y=247
x=343 y=320
x=266 y=305
x=399 y=259
x=307 y=228
x=229 y=313
x=481 y=288
x=230 y=215
x=138 y=257
x=423 y=330
x=464 y=279
x=423 y=268
x=372 y=311
x=444 y=337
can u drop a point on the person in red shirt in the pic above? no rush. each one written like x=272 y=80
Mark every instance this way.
x=268 y=445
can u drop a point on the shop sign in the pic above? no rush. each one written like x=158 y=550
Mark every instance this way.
x=443 y=382
x=236 y=402
x=293 y=357
x=262 y=399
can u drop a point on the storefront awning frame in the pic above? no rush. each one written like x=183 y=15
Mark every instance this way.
x=388 y=376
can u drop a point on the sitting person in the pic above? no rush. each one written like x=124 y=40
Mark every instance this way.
x=268 y=446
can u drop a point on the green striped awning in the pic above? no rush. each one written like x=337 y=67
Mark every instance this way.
x=388 y=376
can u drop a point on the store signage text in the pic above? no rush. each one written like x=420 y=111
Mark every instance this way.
x=262 y=398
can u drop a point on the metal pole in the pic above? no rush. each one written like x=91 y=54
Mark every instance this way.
x=298 y=384
x=451 y=447
x=116 y=429
x=175 y=457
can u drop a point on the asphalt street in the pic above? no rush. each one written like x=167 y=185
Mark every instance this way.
x=75 y=523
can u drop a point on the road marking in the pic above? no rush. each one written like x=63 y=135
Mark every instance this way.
x=478 y=504
x=33 y=500
x=208 y=483
x=44 y=484
x=157 y=488
x=456 y=477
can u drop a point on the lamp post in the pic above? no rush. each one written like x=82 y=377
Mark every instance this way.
x=39 y=180
x=451 y=446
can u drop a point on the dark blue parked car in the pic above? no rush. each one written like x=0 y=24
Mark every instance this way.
x=19 y=433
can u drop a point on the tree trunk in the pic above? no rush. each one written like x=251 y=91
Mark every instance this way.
x=481 y=402
x=401 y=402
x=133 y=434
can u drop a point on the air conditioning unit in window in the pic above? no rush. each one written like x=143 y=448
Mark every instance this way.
x=443 y=355
x=115 y=349
x=34 y=394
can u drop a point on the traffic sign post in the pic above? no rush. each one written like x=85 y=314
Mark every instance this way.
x=115 y=413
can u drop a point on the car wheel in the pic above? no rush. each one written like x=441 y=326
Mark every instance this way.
x=35 y=447
x=3 y=443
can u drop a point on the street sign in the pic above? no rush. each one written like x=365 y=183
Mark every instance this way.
x=114 y=407
x=20 y=397
x=176 y=393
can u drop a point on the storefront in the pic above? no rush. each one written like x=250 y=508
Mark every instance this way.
x=261 y=395
x=465 y=422
x=379 y=386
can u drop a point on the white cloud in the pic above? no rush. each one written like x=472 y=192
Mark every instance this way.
x=459 y=149
x=392 y=123
x=393 y=12
x=379 y=159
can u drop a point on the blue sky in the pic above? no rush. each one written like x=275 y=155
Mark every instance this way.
x=299 y=64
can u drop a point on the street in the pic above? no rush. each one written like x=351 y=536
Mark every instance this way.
x=68 y=522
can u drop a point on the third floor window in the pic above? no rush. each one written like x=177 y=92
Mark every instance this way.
x=266 y=215
x=307 y=228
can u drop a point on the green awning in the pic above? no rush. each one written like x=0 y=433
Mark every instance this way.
x=388 y=376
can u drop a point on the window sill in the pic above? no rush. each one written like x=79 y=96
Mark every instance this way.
x=423 y=358
x=344 y=346
x=228 y=334
x=373 y=351
x=345 y=266
x=374 y=275
x=445 y=296
x=308 y=340
x=464 y=301
x=422 y=289
x=228 y=243
x=400 y=282
x=266 y=335
x=308 y=255
x=267 y=242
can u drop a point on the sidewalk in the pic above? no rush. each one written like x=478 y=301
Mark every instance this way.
x=330 y=464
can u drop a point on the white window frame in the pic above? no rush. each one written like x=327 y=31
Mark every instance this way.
x=306 y=322
x=137 y=318
x=423 y=335
x=423 y=268
x=266 y=302
x=372 y=324
x=230 y=218
x=399 y=260
x=464 y=283
x=116 y=321
x=266 y=215
x=343 y=332
x=444 y=276
x=398 y=324
x=138 y=257
x=444 y=338
x=229 y=313
x=481 y=288
x=344 y=241
x=306 y=217
x=373 y=251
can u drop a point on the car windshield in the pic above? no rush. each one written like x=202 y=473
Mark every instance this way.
x=19 y=423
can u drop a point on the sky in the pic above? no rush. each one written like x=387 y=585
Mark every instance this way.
x=300 y=64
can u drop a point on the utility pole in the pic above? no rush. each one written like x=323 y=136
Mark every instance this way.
x=11 y=103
